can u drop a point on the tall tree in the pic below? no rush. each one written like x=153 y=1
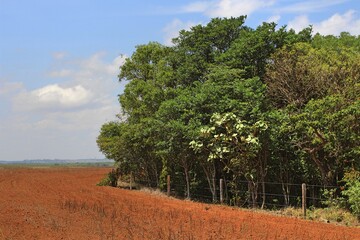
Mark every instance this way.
x=328 y=131
x=197 y=48
x=235 y=143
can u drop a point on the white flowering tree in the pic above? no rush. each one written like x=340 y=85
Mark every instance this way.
x=236 y=144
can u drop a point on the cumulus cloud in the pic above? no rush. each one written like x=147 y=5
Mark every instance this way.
x=172 y=30
x=8 y=88
x=274 y=19
x=66 y=135
x=299 y=23
x=60 y=73
x=91 y=67
x=347 y=22
x=337 y=23
x=228 y=8
x=233 y=8
x=197 y=7
x=82 y=83
x=59 y=55
x=53 y=97
x=61 y=119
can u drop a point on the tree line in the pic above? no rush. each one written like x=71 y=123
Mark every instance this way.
x=229 y=101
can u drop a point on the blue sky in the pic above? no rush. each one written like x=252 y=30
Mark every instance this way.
x=59 y=59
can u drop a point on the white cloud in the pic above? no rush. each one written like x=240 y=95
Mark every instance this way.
x=274 y=19
x=234 y=8
x=81 y=83
x=61 y=119
x=337 y=23
x=94 y=66
x=116 y=63
x=8 y=88
x=304 y=7
x=228 y=8
x=299 y=23
x=197 y=7
x=60 y=73
x=69 y=135
x=52 y=97
x=87 y=119
x=172 y=30
x=59 y=55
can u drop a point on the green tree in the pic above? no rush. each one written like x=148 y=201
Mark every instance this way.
x=223 y=74
x=197 y=48
x=298 y=73
x=252 y=50
x=149 y=77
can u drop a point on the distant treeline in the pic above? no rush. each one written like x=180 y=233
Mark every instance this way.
x=56 y=161
x=242 y=104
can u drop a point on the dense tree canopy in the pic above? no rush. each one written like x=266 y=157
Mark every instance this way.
x=228 y=101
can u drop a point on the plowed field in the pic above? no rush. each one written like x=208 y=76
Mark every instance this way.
x=65 y=203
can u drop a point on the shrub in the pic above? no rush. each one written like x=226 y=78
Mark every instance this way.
x=352 y=191
x=333 y=215
x=329 y=215
x=332 y=200
x=109 y=180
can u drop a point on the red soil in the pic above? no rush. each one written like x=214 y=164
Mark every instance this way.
x=64 y=203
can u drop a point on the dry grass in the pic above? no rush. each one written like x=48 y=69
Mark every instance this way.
x=74 y=208
x=1 y=235
x=152 y=191
x=334 y=215
x=327 y=215
x=126 y=185
x=290 y=212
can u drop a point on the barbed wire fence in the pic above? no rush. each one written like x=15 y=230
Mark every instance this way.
x=275 y=195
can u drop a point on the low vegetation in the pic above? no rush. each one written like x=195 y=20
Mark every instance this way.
x=331 y=215
x=110 y=180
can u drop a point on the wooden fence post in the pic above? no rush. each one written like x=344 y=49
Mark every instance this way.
x=131 y=179
x=303 y=188
x=168 y=185
x=221 y=191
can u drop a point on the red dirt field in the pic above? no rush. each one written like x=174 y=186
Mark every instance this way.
x=65 y=203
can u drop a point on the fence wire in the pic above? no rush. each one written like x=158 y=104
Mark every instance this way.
x=276 y=195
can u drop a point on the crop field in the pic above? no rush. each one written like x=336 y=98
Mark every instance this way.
x=65 y=203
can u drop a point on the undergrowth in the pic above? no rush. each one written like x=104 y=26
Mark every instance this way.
x=328 y=215
x=331 y=214
x=109 y=180
x=341 y=209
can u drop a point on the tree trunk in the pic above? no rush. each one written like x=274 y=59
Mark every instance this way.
x=285 y=179
x=252 y=188
x=313 y=196
x=262 y=179
x=263 y=194
x=211 y=179
x=185 y=165
x=187 y=178
x=214 y=195
x=263 y=157
x=327 y=175
x=226 y=189
x=286 y=192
